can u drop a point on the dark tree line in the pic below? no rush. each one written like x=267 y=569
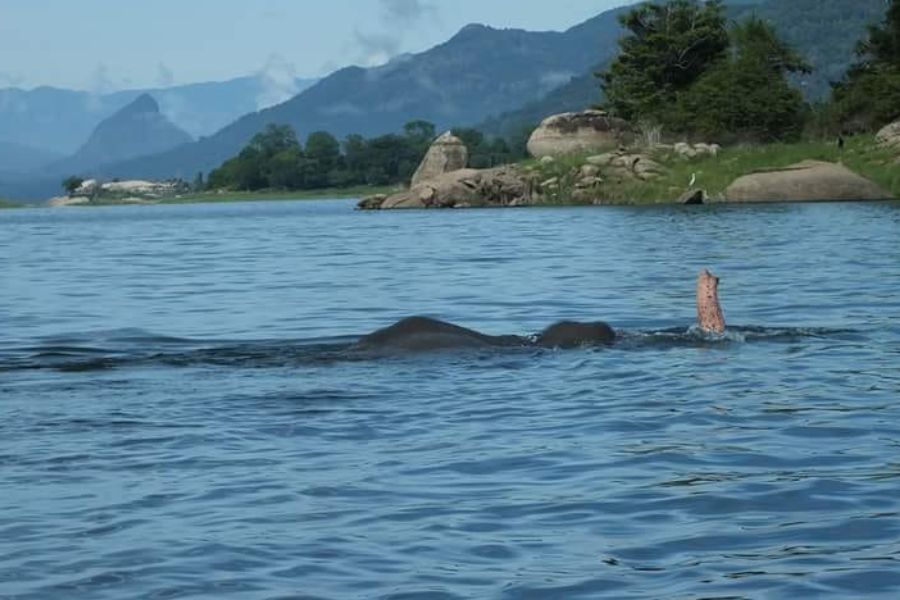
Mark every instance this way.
x=275 y=159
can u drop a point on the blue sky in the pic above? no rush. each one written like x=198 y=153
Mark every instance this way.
x=104 y=45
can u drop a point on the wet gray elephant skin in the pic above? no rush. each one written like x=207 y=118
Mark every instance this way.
x=424 y=334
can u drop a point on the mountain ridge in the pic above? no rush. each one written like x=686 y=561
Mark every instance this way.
x=450 y=84
x=138 y=129
x=59 y=120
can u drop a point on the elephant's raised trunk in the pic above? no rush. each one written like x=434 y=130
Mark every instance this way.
x=709 y=311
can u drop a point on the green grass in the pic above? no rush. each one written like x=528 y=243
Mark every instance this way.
x=325 y=193
x=715 y=174
x=8 y=204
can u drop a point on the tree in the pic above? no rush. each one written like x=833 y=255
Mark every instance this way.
x=274 y=139
x=883 y=43
x=668 y=47
x=323 y=148
x=869 y=95
x=285 y=170
x=746 y=96
x=72 y=183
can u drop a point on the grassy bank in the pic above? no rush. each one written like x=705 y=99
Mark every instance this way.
x=8 y=204
x=715 y=174
x=321 y=194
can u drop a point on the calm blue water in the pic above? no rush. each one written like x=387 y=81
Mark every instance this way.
x=180 y=416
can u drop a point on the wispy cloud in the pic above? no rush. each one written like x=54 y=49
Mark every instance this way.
x=101 y=82
x=376 y=47
x=164 y=76
x=278 y=82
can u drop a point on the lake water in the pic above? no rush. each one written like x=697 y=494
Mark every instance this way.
x=181 y=417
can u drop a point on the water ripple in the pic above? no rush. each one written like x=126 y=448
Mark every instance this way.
x=182 y=414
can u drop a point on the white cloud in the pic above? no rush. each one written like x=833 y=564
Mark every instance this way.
x=375 y=48
x=164 y=76
x=278 y=82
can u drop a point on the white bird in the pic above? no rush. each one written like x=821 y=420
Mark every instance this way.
x=693 y=180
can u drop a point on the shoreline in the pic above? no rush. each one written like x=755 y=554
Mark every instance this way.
x=713 y=174
x=803 y=171
x=288 y=196
x=222 y=198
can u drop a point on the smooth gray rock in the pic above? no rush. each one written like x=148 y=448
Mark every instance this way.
x=807 y=181
x=571 y=133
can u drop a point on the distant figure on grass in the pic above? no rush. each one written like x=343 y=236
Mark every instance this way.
x=424 y=333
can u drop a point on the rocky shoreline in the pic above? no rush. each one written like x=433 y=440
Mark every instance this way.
x=581 y=158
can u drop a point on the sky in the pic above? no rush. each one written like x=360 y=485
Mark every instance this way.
x=107 y=45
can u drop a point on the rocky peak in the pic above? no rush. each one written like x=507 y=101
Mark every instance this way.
x=143 y=104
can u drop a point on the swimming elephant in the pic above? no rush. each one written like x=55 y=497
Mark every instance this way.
x=424 y=333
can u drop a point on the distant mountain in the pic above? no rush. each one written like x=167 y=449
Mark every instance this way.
x=823 y=31
x=59 y=120
x=138 y=129
x=479 y=72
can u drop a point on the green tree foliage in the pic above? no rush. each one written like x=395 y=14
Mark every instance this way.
x=683 y=69
x=746 y=96
x=869 y=96
x=274 y=159
x=70 y=184
x=668 y=47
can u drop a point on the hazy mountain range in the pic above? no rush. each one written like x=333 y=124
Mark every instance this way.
x=59 y=121
x=498 y=79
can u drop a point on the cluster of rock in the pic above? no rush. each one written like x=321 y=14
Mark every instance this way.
x=582 y=182
x=685 y=150
x=576 y=132
x=624 y=164
x=442 y=181
x=122 y=192
x=462 y=188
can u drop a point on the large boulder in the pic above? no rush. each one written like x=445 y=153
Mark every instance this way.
x=447 y=154
x=464 y=188
x=890 y=136
x=807 y=181
x=571 y=133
